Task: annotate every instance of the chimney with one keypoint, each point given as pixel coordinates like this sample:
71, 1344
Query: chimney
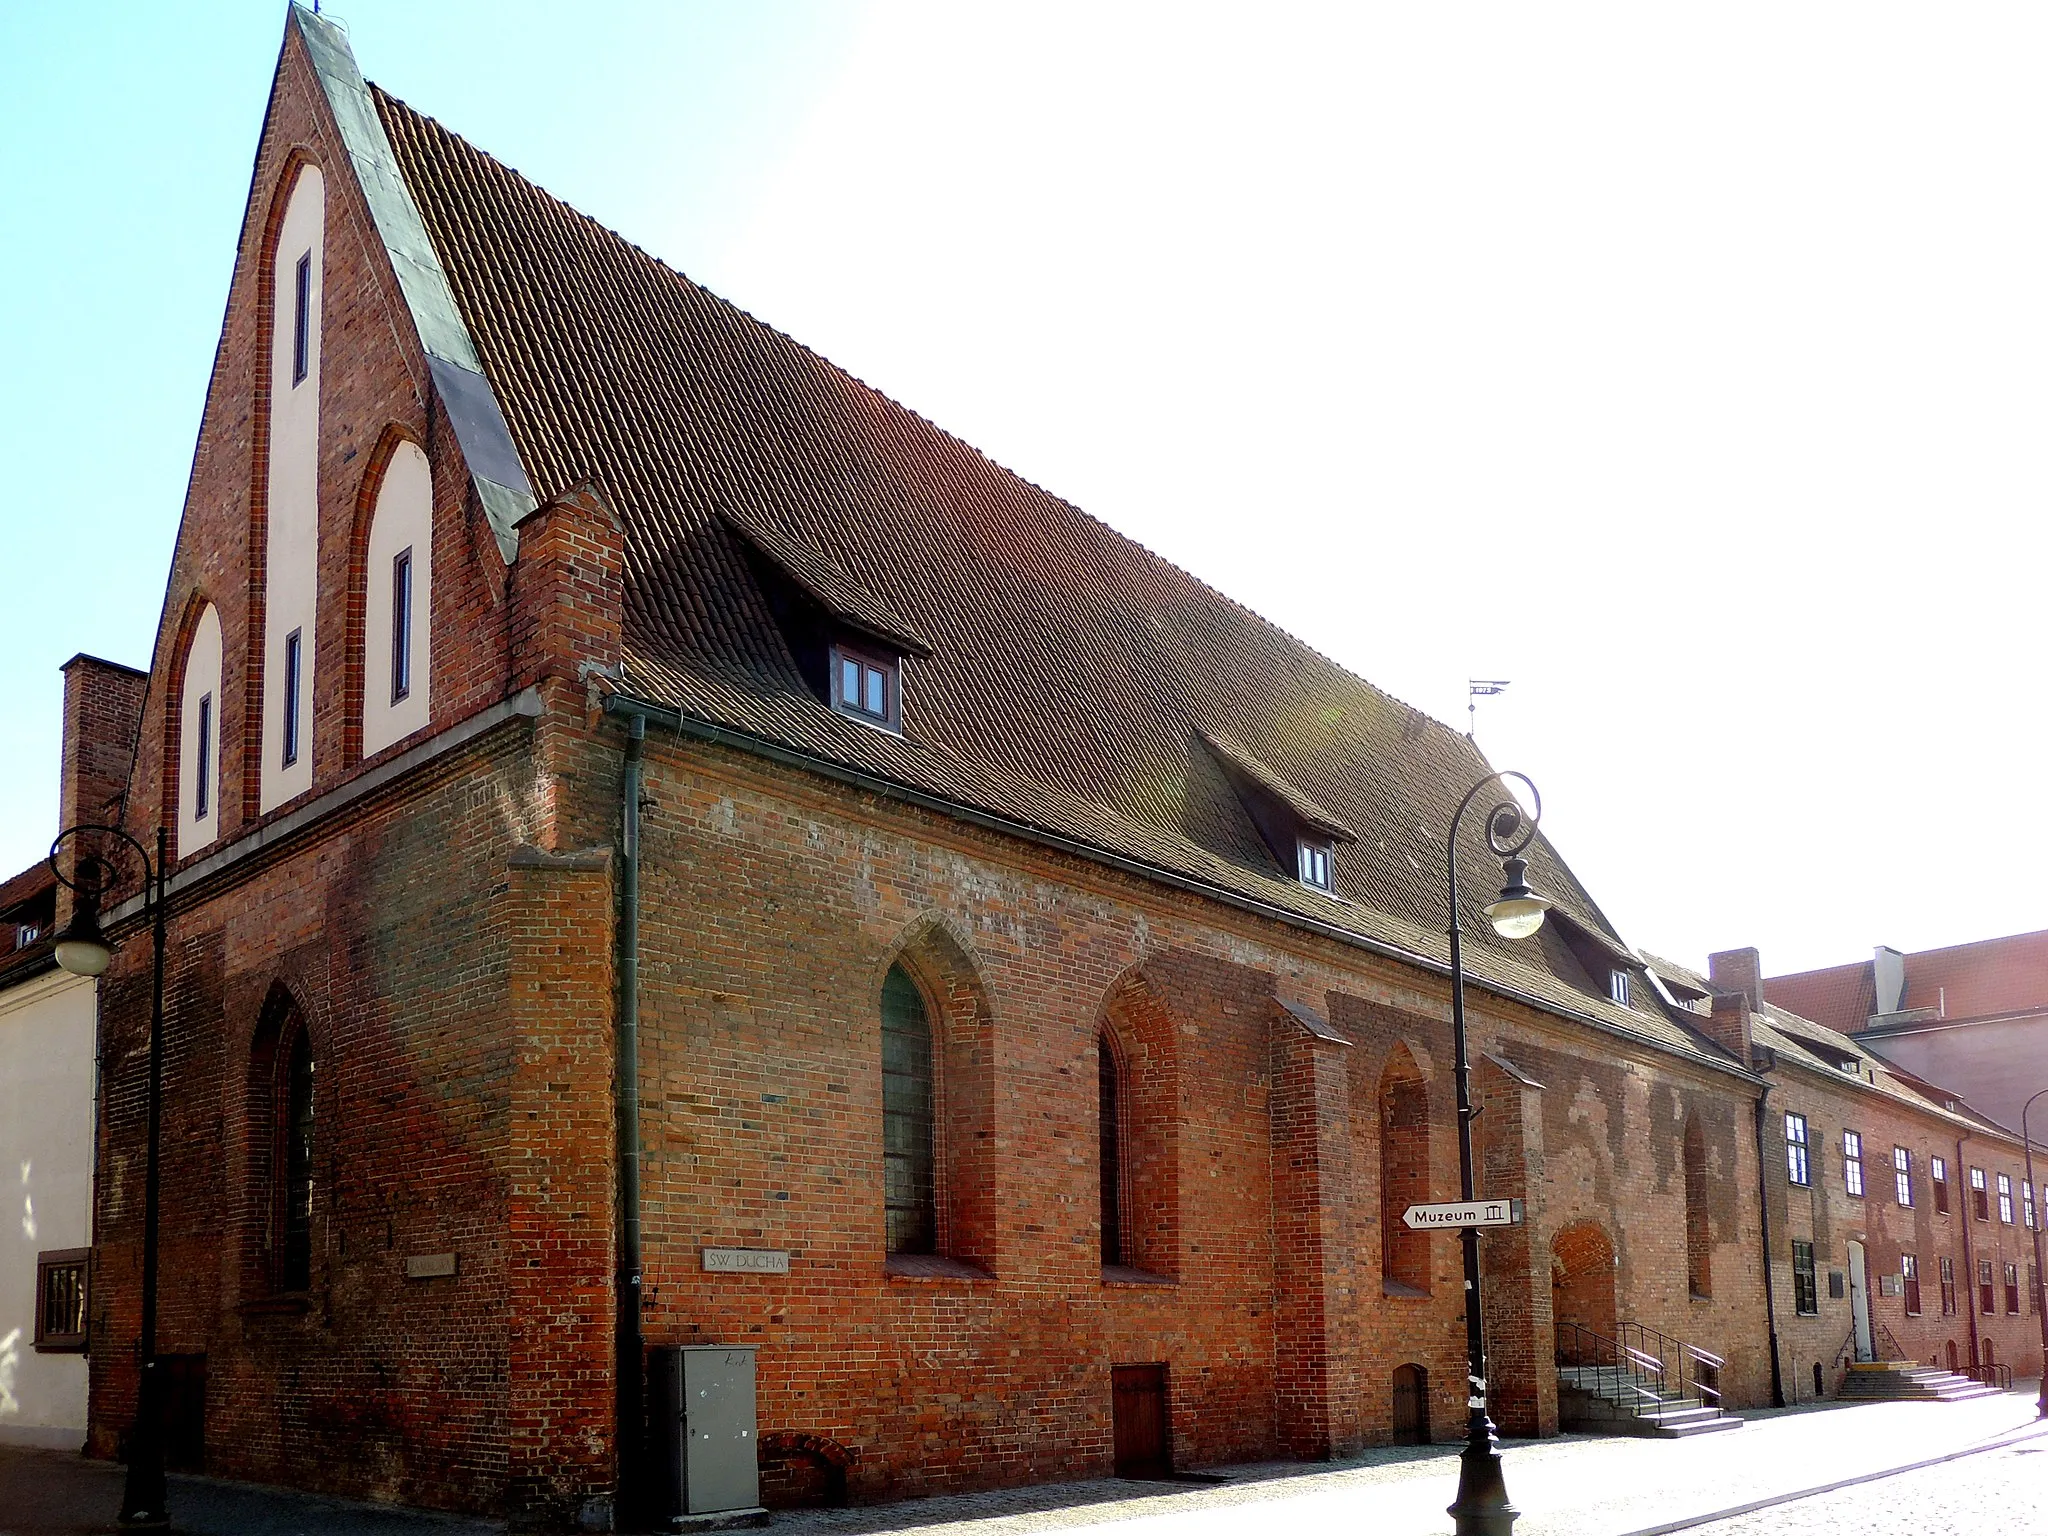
102, 715
1888, 971
102, 722
1736, 977
1739, 973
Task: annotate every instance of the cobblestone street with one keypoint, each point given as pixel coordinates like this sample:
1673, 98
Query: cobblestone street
1571, 1486
2003, 1490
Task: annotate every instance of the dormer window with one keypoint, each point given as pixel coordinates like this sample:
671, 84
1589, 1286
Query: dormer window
1617, 986
864, 685
1313, 861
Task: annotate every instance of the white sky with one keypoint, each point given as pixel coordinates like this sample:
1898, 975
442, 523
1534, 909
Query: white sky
1682, 365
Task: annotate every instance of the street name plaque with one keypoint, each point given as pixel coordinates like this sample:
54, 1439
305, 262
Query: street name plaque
747, 1261
1464, 1213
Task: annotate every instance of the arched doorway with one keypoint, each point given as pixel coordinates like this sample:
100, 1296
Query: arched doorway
1411, 1405
1582, 1278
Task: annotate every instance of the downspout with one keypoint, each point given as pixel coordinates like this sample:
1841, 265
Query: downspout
630, 1409
1968, 1214
1763, 1206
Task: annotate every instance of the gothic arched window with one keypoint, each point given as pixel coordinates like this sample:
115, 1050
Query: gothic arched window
909, 1177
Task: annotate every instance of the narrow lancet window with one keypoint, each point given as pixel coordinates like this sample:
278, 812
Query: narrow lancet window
401, 625
295, 1251
1112, 1163
302, 320
908, 1182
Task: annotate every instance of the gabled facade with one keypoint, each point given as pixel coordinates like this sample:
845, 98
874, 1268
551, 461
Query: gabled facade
672, 848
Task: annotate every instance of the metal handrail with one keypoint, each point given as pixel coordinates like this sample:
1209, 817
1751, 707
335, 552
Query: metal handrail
1995, 1375
1891, 1344
1643, 1373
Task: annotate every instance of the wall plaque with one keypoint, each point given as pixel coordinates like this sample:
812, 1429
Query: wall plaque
747, 1261
429, 1266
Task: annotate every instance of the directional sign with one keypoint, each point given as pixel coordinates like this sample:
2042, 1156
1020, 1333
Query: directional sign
1464, 1213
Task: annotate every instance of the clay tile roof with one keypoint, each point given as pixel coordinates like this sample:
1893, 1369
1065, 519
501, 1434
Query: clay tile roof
835, 591
1310, 814
1069, 669
1989, 976
1839, 996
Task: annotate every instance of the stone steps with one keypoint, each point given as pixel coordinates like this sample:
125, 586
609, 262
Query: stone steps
1604, 1398
1892, 1381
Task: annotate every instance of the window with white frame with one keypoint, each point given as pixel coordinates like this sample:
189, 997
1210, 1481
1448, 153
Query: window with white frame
1937, 1174
2005, 1198
867, 685
1314, 862
2027, 1204
1798, 1168
1617, 986
1852, 1163
1902, 1175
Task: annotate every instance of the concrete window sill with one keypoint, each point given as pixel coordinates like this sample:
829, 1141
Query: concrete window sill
931, 1267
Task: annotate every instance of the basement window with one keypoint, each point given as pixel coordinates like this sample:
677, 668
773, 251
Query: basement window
1314, 860
865, 685
60, 1300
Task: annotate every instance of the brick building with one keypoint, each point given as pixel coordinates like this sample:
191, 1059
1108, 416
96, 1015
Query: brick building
1971, 1017
632, 784
1901, 1221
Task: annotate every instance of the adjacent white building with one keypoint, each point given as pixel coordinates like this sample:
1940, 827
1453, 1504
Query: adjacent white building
47, 1095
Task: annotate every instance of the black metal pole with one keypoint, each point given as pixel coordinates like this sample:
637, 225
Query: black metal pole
143, 1493
2040, 1208
1482, 1507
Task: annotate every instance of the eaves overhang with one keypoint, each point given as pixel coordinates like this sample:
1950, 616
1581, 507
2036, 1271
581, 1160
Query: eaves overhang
673, 719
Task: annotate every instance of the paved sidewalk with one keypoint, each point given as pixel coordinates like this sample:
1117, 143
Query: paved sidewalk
1572, 1486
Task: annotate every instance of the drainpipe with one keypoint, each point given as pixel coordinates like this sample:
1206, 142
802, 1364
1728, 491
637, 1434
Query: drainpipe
1763, 1207
1968, 1213
630, 1407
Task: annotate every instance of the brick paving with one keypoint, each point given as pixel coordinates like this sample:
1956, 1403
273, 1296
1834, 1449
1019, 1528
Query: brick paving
1571, 1486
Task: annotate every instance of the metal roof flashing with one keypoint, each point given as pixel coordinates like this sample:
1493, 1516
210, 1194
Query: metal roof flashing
480, 429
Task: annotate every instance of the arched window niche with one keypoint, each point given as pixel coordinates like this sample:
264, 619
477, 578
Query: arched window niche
397, 602
199, 716
937, 1061
1699, 1241
909, 1153
1138, 1134
283, 1139
294, 280
1404, 1174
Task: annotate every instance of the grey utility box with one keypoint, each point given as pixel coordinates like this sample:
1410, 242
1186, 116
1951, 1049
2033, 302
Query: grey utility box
702, 1396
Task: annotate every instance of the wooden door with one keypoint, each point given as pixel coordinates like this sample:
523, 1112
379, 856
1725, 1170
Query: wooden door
1144, 1446
1411, 1405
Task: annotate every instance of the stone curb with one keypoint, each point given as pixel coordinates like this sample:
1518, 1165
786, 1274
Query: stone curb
1690, 1521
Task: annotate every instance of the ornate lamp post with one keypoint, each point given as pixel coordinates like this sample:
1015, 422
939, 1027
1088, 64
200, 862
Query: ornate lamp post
2040, 1215
83, 951
1482, 1507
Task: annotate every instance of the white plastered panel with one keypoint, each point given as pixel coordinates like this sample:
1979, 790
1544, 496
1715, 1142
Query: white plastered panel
199, 814
292, 556
402, 524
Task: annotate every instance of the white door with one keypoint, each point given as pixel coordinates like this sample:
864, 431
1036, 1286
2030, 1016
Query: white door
1859, 1302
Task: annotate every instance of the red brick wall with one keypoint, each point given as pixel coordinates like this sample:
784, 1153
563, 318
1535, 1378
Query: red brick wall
1826, 1215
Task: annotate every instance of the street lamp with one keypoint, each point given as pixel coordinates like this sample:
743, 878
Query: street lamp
83, 950
2040, 1209
1482, 1507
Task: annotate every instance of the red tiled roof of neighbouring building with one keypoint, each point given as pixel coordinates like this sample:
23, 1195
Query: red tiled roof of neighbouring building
1838, 996
1071, 671
1989, 976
